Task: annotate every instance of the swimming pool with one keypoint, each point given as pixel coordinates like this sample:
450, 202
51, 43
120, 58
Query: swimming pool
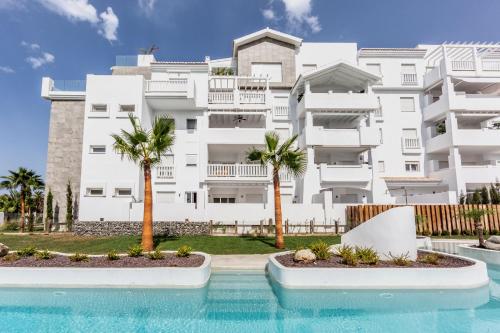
249, 302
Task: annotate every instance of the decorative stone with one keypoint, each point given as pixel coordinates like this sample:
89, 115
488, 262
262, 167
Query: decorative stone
492, 246
4, 250
304, 255
494, 239
134, 228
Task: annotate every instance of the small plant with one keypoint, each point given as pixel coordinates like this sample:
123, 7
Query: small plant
400, 260
135, 251
436, 233
455, 232
156, 255
321, 250
431, 258
494, 232
28, 251
44, 255
79, 257
445, 233
427, 233
10, 226
348, 255
184, 251
11, 257
113, 255
367, 255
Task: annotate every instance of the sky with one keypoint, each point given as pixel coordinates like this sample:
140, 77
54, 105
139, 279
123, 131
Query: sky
67, 39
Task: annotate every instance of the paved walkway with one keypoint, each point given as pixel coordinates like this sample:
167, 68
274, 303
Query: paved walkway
239, 262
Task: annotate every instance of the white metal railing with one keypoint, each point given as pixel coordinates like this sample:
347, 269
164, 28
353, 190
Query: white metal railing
285, 176
236, 170
220, 97
165, 172
378, 112
411, 143
409, 79
280, 110
172, 84
491, 65
252, 97
462, 65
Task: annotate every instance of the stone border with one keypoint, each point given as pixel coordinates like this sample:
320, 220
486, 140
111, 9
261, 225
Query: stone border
490, 257
107, 277
469, 277
134, 228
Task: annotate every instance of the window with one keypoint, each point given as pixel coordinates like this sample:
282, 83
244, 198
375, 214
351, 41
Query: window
269, 70
191, 197
123, 192
309, 67
412, 166
98, 149
409, 133
374, 68
224, 200
408, 69
165, 197
407, 104
191, 159
380, 135
381, 166
99, 108
191, 124
95, 191
127, 108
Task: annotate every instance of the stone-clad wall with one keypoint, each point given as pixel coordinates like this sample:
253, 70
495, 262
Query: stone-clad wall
268, 50
115, 228
64, 153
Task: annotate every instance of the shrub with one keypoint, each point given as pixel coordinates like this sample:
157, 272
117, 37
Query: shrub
78, 257
11, 257
436, 233
113, 255
367, 255
401, 260
494, 232
28, 251
184, 251
321, 250
445, 233
431, 258
10, 226
156, 255
427, 233
44, 255
348, 255
135, 251
455, 232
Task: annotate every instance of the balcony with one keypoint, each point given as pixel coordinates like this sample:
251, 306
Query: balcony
440, 143
411, 145
339, 101
359, 173
481, 174
165, 172
480, 138
474, 102
462, 65
280, 112
235, 135
237, 172
237, 92
409, 79
63, 89
237, 98
170, 93
319, 136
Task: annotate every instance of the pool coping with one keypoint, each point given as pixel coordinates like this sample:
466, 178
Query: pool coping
491, 257
107, 277
469, 277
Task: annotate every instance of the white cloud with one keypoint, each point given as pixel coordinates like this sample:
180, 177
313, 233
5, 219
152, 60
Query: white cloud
6, 69
268, 14
31, 46
12, 4
43, 59
298, 14
83, 11
147, 6
109, 24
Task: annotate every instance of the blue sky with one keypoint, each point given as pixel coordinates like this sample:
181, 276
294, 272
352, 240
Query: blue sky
65, 39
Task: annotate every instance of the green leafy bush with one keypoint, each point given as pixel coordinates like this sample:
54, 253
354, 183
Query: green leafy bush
321, 250
184, 251
494, 232
28, 251
44, 255
10, 226
156, 255
445, 233
400, 260
427, 233
135, 251
367, 255
113, 255
431, 258
348, 255
78, 257
455, 232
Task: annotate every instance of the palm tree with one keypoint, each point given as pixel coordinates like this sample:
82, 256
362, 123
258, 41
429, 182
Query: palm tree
24, 179
146, 148
280, 157
476, 214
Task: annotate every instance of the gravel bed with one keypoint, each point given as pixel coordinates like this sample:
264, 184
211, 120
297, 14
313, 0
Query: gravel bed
336, 262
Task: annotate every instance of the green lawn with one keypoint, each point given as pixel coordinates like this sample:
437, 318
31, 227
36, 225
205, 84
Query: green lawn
210, 244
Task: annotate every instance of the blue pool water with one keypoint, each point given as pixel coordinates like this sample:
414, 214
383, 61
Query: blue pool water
250, 303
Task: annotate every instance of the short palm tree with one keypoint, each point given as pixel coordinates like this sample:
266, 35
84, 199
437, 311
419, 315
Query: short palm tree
146, 148
25, 180
475, 214
280, 157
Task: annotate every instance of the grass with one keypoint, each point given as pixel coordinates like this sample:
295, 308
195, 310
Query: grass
210, 244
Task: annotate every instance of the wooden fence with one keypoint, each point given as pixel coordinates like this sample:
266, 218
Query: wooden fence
432, 219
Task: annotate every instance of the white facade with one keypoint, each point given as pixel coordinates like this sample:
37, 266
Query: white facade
367, 119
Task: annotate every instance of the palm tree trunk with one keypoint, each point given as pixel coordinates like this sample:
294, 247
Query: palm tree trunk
479, 230
280, 241
147, 226
21, 229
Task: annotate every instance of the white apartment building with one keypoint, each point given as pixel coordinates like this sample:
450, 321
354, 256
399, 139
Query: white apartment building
416, 125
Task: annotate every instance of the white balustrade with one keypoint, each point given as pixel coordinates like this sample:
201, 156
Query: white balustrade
236, 170
252, 97
491, 64
165, 172
172, 84
409, 79
220, 97
280, 110
411, 143
462, 65
285, 176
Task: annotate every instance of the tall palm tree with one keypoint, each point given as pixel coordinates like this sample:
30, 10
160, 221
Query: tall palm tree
146, 148
476, 214
24, 179
280, 157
